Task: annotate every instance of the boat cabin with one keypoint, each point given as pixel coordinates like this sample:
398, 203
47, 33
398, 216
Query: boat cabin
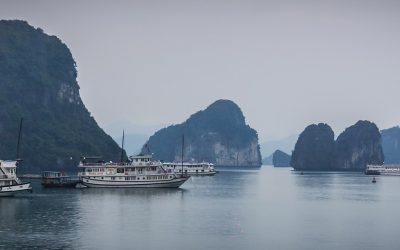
8, 172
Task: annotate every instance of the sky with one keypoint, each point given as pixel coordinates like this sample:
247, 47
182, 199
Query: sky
287, 64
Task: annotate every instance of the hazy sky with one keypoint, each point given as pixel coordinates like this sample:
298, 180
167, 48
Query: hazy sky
287, 64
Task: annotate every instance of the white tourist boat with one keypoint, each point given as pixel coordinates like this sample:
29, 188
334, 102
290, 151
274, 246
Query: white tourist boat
191, 168
140, 171
10, 184
385, 169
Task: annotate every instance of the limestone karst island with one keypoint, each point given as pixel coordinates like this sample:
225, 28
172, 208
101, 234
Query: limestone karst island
200, 125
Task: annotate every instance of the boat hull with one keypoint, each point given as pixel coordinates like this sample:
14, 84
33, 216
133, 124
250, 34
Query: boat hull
92, 183
372, 172
199, 173
71, 184
11, 190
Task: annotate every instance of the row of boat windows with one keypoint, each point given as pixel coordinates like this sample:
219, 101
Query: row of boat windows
133, 178
185, 166
4, 183
180, 170
141, 160
121, 170
11, 170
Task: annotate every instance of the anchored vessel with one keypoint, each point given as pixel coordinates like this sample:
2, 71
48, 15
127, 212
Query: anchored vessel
203, 168
386, 169
139, 171
57, 179
9, 182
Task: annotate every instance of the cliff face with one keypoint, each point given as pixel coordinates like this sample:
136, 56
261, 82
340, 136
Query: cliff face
280, 159
217, 134
358, 146
313, 149
38, 83
391, 145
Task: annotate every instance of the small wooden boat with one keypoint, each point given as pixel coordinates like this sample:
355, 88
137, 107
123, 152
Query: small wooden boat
373, 180
52, 179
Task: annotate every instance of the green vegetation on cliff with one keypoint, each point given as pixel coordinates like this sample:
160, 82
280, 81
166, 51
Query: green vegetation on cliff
357, 146
38, 83
217, 134
314, 148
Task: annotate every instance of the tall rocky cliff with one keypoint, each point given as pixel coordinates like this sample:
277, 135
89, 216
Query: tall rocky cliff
217, 134
313, 149
391, 145
38, 83
356, 147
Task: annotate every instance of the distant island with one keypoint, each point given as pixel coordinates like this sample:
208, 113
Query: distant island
357, 146
38, 82
268, 160
280, 159
218, 134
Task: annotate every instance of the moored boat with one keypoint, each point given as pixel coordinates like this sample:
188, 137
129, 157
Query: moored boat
385, 169
57, 179
191, 168
139, 172
10, 184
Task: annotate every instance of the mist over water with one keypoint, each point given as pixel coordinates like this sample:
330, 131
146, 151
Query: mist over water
265, 208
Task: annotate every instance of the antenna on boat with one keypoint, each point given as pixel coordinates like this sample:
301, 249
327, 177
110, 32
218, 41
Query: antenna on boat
122, 148
183, 145
19, 137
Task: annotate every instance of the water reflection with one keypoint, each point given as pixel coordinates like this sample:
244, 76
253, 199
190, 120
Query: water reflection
266, 208
336, 185
42, 220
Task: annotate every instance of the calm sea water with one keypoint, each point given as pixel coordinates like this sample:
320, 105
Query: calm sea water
268, 208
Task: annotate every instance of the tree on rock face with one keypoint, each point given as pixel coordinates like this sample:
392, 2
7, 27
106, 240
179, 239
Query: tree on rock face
358, 146
313, 150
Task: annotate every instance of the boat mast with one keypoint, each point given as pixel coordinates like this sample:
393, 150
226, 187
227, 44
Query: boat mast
19, 137
183, 145
122, 148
